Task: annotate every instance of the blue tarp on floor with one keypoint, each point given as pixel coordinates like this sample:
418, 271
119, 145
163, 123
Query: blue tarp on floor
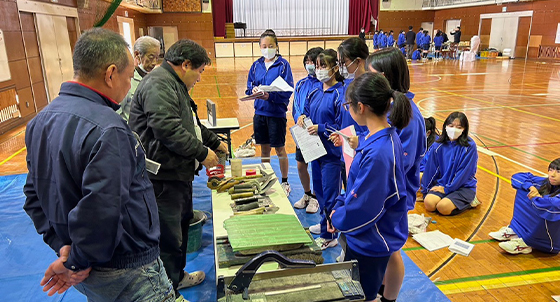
25, 257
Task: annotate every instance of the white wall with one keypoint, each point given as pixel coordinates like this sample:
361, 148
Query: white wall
400, 5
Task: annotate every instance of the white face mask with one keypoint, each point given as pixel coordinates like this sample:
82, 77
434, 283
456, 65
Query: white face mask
141, 66
310, 68
268, 53
323, 75
346, 74
453, 132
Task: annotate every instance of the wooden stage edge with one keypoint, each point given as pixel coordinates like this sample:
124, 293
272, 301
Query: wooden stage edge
287, 39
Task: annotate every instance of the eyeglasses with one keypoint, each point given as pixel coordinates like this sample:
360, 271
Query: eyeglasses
346, 105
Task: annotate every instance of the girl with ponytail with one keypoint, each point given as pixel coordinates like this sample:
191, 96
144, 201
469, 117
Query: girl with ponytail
373, 212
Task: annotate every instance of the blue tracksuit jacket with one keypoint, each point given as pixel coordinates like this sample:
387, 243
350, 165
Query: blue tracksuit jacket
416, 55
324, 109
413, 140
438, 41
452, 166
536, 220
277, 103
390, 41
375, 40
302, 90
426, 40
383, 41
401, 40
373, 212
419, 36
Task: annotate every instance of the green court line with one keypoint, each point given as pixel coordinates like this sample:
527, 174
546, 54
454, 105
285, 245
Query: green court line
217, 86
501, 275
422, 248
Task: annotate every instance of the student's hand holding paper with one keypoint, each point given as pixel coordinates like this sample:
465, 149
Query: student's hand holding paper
301, 121
313, 129
264, 97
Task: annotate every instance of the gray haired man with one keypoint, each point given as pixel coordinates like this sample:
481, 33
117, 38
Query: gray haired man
146, 54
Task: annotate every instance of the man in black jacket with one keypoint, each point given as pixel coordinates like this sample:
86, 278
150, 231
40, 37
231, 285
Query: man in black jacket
410, 37
87, 190
456, 35
165, 117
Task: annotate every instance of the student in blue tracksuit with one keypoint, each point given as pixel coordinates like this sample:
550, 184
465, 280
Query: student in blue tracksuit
373, 212
403, 50
438, 42
392, 64
390, 39
417, 55
449, 181
382, 40
376, 40
269, 122
323, 107
419, 38
401, 40
301, 91
426, 41
432, 134
536, 214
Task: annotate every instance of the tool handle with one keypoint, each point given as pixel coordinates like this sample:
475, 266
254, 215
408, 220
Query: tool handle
247, 200
247, 207
242, 195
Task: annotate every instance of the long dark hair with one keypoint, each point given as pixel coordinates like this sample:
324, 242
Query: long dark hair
272, 34
312, 54
353, 48
392, 63
547, 188
431, 126
463, 139
373, 90
328, 59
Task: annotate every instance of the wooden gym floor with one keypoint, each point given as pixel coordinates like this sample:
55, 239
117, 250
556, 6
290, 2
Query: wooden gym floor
513, 108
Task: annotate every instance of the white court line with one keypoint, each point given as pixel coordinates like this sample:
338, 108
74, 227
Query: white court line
500, 107
233, 131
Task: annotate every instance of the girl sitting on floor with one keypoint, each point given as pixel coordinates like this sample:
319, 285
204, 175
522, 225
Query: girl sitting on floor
536, 214
449, 182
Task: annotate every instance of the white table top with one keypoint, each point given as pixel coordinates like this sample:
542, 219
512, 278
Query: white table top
222, 123
221, 210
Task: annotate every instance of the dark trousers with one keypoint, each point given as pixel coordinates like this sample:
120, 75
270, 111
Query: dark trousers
175, 208
409, 50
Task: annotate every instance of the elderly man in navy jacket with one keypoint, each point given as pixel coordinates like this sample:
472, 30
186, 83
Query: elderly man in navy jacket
88, 191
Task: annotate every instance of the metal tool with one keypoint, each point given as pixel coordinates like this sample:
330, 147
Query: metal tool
258, 189
332, 130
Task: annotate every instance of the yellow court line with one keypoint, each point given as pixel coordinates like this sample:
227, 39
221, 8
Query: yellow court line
494, 174
13, 155
508, 107
503, 282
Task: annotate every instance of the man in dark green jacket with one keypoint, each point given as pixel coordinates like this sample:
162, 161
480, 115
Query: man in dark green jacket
165, 117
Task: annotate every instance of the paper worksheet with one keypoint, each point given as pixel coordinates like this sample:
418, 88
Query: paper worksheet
434, 240
311, 146
348, 152
277, 85
556, 298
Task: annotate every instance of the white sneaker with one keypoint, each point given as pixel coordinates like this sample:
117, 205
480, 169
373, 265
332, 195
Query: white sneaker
516, 246
326, 243
504, 234
302, 203
475, 203
340, 257
191, 279
313, 206
315, 229
287, 189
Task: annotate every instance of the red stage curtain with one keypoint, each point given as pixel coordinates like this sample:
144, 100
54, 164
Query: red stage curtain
229, 11
219, 17
374, 13
360, 16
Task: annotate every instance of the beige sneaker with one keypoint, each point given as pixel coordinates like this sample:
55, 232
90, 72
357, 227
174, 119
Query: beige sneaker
315, 229
516, 246
191, 279
313, 206
326, 243
475, 203
302, 203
